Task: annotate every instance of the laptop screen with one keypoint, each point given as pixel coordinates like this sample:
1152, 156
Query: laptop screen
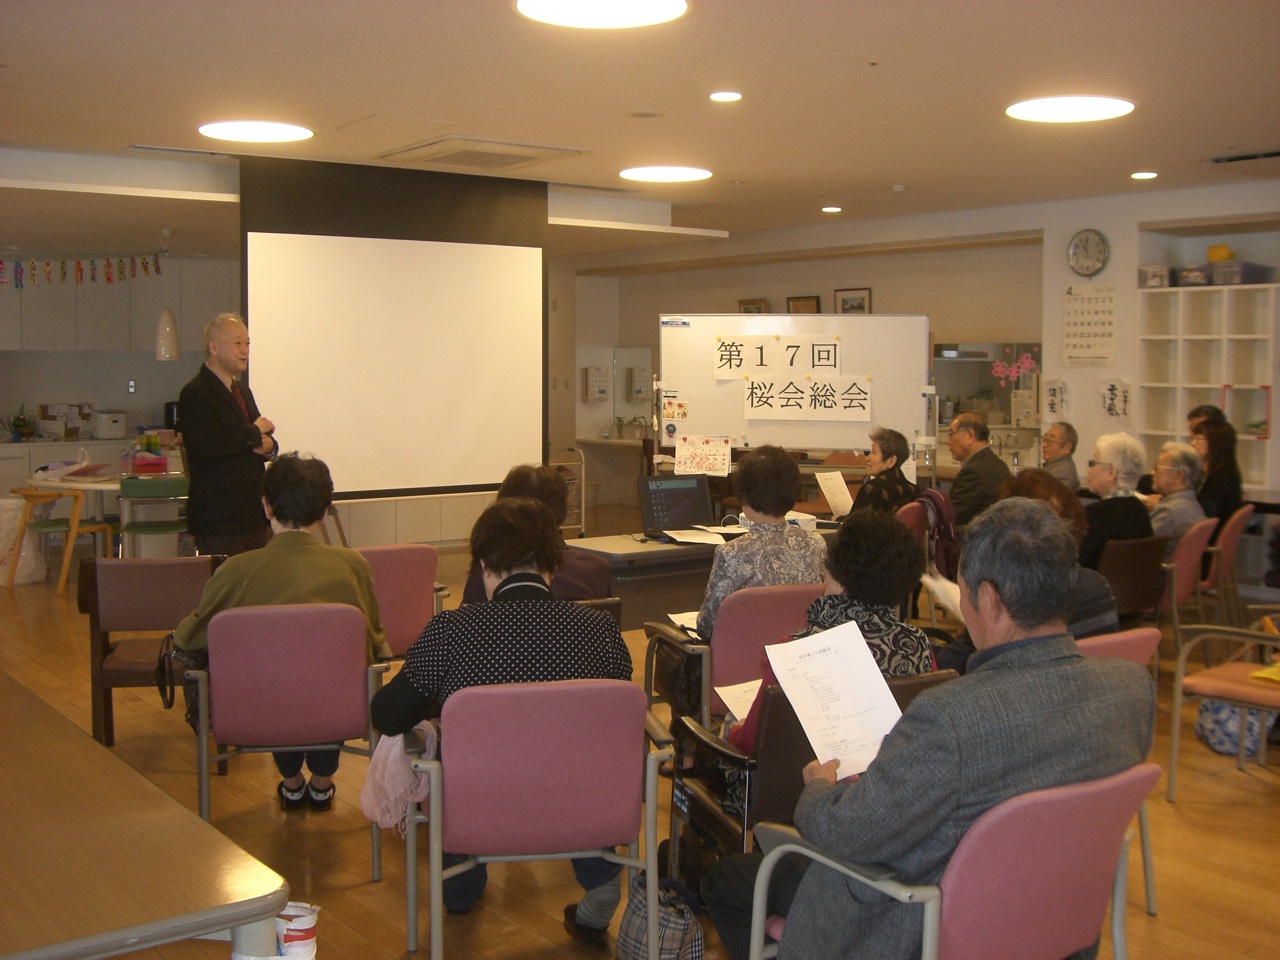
674, 503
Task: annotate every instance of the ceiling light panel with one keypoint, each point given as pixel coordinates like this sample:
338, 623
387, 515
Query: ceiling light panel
595, 15
1069, 109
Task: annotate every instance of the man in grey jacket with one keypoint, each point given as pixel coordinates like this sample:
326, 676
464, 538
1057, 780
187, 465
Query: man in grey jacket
1029, 714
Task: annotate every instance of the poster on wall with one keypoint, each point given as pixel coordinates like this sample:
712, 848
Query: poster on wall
1055, 400
1116, 401
1089, 324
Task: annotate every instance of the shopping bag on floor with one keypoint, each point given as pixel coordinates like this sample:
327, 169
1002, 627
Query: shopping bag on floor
295, 932
679, 933
31, 566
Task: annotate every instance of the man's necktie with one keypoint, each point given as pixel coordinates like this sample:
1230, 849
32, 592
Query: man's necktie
235, 392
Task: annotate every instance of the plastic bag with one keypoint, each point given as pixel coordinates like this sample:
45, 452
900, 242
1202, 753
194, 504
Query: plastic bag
295, 932
31, 565
1218, 727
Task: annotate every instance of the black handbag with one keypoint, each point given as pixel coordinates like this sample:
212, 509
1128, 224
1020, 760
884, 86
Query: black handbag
175, 662
677, 678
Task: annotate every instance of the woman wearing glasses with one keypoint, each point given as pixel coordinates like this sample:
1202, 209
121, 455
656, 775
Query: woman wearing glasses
1117, 463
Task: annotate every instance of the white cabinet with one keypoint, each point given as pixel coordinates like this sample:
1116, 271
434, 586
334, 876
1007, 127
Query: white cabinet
49, 313
102, 311
1211, 345
148, 295
15, 466
207, 290
10, 316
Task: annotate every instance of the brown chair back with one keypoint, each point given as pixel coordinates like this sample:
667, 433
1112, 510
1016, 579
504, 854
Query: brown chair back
1132, 567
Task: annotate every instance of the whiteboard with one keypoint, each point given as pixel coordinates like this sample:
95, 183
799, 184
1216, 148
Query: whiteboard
797, 380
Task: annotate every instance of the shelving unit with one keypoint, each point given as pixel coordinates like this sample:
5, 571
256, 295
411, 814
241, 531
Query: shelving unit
1210, 345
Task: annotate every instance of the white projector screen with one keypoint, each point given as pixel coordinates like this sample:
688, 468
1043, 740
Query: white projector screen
406, 365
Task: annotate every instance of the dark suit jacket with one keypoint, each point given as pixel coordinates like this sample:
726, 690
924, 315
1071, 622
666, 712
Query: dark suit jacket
977, 484
226, 475
1027, 716
1115, 518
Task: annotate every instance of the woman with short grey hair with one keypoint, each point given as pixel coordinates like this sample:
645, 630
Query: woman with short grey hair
1119, 459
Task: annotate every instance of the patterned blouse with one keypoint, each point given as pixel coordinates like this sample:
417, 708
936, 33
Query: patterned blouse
767, 555
886, 491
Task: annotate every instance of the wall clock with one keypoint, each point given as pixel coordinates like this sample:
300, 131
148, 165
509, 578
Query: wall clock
1087, 252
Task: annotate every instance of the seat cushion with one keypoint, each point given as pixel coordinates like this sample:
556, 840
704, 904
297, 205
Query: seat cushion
1231, 681
132, 663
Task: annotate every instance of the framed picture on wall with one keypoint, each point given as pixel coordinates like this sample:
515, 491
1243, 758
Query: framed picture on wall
804, 305
758, 305
853, 300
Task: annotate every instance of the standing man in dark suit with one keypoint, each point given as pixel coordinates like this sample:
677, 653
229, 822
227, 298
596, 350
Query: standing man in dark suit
228, 443
977, 485
1030, 713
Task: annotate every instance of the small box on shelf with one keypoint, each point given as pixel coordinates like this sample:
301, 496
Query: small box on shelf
1156, 275
1196, 276
1241, 271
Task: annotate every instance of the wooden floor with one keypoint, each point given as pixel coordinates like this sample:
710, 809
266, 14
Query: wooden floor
1217, 850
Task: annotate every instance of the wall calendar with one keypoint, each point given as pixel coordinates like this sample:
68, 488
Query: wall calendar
1089, 324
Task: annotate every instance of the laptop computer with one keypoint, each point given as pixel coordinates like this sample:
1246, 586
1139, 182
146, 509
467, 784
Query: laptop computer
673, 503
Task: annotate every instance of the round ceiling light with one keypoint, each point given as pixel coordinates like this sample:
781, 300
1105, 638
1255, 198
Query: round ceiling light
256, 131
1069, 109
726, 96
832, 209
594, 15
1143, 175
665, 174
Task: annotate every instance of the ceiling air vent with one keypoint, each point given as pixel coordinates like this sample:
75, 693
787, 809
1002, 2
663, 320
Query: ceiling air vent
473, 153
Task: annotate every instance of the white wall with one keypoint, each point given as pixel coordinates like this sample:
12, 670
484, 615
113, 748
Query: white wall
984, 294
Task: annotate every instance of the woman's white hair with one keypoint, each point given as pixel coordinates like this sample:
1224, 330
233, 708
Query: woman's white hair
1127, 455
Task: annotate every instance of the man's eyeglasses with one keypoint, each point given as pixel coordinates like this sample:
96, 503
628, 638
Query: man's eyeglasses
1099, 463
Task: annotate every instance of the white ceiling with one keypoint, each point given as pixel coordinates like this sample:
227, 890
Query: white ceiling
842, 100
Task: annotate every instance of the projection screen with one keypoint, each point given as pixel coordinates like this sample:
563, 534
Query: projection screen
408, 366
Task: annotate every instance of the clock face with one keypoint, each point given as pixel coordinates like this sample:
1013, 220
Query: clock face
1087, 253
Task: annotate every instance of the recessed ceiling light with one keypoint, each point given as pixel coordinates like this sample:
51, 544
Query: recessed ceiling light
256, 131
1144, 175
665, 174
594, 15
1069, 109
726, 96
831, 209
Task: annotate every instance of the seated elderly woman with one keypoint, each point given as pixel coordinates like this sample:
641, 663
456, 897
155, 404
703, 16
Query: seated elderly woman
872, 564
1175, 509
772, 552
582, 575
525, 635
294, 567
1113, 474
886, 487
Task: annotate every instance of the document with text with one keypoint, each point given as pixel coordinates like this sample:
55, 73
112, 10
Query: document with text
838, 694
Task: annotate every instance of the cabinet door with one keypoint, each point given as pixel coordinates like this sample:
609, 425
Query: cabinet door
10, 316
49, 312
15, 466
148, 295
206, 292
102, 312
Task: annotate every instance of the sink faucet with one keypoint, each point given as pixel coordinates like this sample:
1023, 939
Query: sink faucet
998, 442
1012, 440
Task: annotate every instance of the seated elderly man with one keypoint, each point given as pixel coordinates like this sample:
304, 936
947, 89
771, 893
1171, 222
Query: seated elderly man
1176, 509
1058, 448
1031, 713
294, 567
1118, 515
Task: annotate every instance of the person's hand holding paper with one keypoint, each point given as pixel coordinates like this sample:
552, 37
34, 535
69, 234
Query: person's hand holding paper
838, 694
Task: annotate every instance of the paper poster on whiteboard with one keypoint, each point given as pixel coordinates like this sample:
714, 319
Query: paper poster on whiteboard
709, 455
793, 356
808, 398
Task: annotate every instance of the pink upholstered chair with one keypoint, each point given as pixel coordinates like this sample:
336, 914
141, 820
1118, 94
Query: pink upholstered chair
1137, 646
1030, 880
1182, 574
133, 596
747, 620
286, 676
1218, 587
404, 577
537, 771
1230, 682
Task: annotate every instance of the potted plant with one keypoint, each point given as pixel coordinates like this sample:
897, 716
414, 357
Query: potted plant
24, 428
